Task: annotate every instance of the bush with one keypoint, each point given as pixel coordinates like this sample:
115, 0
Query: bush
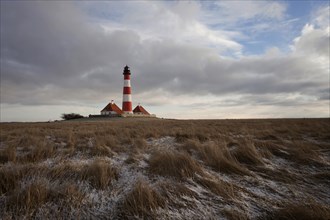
71, 116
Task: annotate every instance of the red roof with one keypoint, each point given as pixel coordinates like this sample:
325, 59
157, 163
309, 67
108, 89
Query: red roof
140, 109
112, 107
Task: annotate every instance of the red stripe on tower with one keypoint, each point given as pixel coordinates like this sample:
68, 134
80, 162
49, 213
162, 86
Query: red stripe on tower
127, 95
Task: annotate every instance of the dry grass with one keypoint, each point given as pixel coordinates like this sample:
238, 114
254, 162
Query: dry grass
217, 156
235, 215
304, 153
247, 153
172, 164
321, 177
71, 193
220, 159
9, 179
169, 189
241, 164
26, 201
64, 172
40, 152
30, 197
99, 174
140, 144
141, 202
217, 187
8, 155
301, 211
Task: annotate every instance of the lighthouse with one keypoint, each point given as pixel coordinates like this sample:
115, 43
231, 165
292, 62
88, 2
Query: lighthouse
127, 92
112, 110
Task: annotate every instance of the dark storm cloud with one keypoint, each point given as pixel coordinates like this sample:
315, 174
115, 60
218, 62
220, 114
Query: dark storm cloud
52, 43
51, 53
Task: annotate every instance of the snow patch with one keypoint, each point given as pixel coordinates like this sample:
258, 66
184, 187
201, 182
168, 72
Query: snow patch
166, 142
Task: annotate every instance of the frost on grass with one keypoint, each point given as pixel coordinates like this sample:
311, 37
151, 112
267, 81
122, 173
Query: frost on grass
166, 142
60, 182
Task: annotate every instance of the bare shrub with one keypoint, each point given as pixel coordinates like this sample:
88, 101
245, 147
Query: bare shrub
100, 174
142, 202
71, 116
173, 164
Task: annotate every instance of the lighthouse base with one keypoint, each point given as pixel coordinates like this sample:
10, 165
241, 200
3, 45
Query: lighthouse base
127, 112
130, 115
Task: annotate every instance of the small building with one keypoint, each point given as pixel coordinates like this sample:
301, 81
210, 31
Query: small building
112, 110
139, 110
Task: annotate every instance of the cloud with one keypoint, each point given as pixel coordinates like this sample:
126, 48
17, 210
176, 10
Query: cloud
250, 16
315, 36
177, 21
65, 54
236, 11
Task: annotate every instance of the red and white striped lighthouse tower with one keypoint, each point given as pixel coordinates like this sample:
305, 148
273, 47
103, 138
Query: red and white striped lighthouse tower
127, 97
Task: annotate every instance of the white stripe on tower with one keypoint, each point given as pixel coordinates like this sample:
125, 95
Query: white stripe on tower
127, 97
127, 83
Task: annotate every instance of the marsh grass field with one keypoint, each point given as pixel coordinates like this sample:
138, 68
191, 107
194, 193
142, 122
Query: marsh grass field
166, 169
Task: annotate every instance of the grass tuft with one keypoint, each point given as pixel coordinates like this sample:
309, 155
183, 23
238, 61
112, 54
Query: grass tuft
301, 211
219, 158
217, 187
173, 164
99, 174
8, 155
30, 197
247, 153
9, 179
142, 202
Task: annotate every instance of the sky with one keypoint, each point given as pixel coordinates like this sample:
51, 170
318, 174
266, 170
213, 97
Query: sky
188, 59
